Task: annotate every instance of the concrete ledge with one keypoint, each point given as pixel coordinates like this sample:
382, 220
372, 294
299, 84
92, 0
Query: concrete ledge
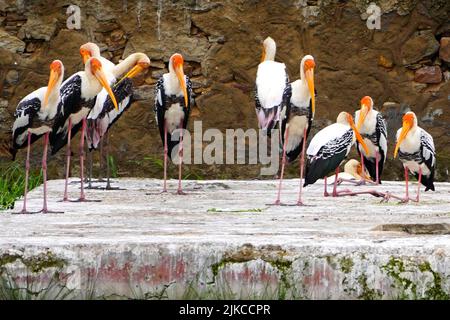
222, 240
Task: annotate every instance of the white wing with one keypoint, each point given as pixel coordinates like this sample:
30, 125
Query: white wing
270, 83
327, 134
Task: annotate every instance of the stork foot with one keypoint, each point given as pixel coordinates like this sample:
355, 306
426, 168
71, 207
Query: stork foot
85, 200
25, 212
181, 192
50, 211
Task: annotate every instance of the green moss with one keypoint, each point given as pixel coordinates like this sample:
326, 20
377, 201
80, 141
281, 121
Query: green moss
367, 293
36, 263
435, 292
394, 268
346, 264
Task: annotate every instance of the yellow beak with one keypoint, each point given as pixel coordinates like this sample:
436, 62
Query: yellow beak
85, 57
405, 129
181, 78
358, 137
54, 76
309, 74
132, 73
362, 115
263, 57
100, 75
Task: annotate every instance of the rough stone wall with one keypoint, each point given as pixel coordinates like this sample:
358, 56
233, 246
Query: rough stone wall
403, 65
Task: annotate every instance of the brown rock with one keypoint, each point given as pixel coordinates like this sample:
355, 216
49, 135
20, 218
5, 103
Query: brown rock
117, 35
419, 46
385, 62
444, 51
37, 28
10, 42
432, 74
12, 77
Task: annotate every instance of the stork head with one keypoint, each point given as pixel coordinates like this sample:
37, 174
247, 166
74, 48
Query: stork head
94, 66
142, 63
354, 168
366, 106
409, 122
176, 64
307, 66
347, 119
56, 77
89, 50
269, 49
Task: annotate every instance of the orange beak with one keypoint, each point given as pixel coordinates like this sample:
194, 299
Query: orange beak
405, 129
54, 76
357, 134
100, 75
181, 78
263, 57
309, 75
362, 115
85, 55
137, 69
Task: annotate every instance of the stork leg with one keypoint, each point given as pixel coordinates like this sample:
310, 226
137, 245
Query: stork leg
302, 165
44, 174
90, 170
406, 183
376, 168
336, 176
283, 163
180, 153
82, 197
100, 176
68, 154
165, 157
325, 192
27, 170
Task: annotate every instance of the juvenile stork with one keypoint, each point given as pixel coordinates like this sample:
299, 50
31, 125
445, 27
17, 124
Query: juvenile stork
298, 120
77, 96
372, 127
415, 148
173, 101
34, 116
272, 90
103, 115
329, 147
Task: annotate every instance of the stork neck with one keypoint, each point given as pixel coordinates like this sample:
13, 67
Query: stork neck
126, 64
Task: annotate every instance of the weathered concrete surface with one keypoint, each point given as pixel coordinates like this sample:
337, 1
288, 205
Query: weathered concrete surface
222, 240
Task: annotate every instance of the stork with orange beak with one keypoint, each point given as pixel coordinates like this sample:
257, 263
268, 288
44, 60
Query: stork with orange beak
296, 123
372, 126
415, 149
174, 100
77, 98
34, 116
103, 115
329, 147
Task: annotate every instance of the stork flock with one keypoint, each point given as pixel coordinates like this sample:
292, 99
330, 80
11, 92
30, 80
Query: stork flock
290, 107
92, 100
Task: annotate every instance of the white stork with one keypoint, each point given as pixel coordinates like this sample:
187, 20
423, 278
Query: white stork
103, 115
272, 90
34, 115
296, 124
77, 94
329, 147
174, 100
372, 127
415, 148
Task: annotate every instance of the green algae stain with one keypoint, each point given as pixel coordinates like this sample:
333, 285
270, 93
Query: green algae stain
346, 264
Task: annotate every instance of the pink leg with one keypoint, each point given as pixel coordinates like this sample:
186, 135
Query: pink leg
283, 162
180, 152
419, 182
406, 182
27, 169
44, 172
335, 182
68, 154
165, 157
302, 165
376, 168
83, 130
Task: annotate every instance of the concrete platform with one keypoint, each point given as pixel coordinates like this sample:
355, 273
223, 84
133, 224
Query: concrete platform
223, 240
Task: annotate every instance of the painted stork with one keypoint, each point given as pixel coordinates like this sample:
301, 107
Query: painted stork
296, 124
173, 101
352, 171
77, 96
272, 90
34, 116
103, 115
372, 127
329, 147
415, 148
